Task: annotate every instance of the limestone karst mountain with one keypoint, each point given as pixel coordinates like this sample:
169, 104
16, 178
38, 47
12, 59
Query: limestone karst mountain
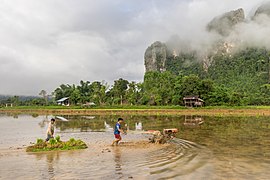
224, 24
158, 56
263, 9
155, 57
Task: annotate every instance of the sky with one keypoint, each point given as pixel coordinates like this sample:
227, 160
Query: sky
44, 44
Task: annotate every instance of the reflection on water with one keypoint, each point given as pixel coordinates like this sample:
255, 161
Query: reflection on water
214, 147
51, 159
193, 121
138, 126
107, 127
118, 162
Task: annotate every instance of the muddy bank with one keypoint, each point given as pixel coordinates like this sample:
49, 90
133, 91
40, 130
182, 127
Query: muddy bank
220, 148
99, 161
204, 112
132, 159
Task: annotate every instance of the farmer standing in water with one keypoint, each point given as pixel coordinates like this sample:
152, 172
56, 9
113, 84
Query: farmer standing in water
117, 131
50, 130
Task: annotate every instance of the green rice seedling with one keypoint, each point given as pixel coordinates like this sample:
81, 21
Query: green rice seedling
56, 145
72, 140
39, 141
52, 141
57, 138
81, 144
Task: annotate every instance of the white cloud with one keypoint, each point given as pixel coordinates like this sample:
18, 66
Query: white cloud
47, 43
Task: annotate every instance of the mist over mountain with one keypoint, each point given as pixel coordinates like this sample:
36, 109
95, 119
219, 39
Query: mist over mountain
225, 23
264, 9
226, 34
234, 54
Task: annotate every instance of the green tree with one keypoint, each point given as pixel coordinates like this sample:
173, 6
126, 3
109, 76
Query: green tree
151, 85
158, 88
15, 100
190, 85
206, 87
219, 96
75, 96
119, 89
44, 95
99, 92
85, 91
63, 91
132, 93
264, 96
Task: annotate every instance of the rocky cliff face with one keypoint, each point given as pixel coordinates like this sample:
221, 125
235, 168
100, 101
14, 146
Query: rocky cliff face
155, 57
224, 24
263, 9
158, 54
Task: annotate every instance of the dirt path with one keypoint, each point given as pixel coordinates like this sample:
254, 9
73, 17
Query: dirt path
206, 112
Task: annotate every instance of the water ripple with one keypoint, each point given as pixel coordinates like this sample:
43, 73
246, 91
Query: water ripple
179, 159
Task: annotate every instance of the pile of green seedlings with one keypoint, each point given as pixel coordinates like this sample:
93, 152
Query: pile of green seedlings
56, 144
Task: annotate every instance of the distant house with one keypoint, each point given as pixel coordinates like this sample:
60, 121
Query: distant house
89, 104
193, 101
9, 105
63, 101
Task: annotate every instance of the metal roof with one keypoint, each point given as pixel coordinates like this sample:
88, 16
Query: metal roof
193, 97
63, 99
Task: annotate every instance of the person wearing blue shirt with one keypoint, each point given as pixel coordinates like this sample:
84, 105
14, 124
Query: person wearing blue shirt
117, 131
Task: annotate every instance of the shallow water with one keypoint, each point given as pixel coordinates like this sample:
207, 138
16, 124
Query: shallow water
205, 148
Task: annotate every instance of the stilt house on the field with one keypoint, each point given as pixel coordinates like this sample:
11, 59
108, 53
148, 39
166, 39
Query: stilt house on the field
193, 101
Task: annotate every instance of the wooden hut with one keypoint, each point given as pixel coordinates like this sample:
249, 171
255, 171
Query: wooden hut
193, 121
9, 104
193, 101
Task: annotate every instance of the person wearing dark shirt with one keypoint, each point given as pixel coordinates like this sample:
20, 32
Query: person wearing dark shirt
117, 131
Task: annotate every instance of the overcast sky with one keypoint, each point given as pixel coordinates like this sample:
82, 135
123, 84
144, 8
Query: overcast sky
46, 43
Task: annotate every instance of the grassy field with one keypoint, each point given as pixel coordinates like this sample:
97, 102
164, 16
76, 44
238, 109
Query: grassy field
143, 110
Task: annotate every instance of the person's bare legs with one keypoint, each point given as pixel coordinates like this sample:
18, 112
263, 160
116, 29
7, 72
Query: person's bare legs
116, 141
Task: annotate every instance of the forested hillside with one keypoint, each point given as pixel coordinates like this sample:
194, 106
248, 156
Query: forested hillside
241, 78
233, 69
238, 79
